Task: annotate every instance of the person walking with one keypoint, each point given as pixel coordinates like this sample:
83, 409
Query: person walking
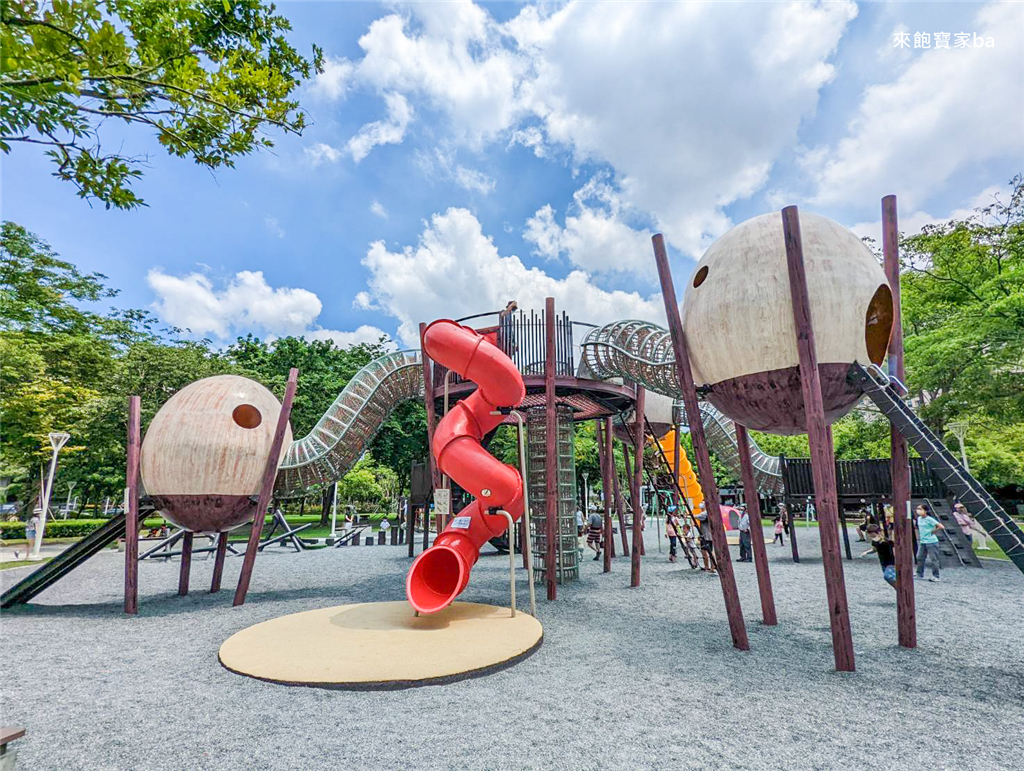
928, 541
672, 531
595, 530
778, 532
784, 516
746, 555
883, 547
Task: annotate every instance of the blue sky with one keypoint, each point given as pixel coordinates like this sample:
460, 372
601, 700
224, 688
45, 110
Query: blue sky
461, 156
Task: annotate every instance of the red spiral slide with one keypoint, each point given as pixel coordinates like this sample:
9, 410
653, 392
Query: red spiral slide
440, 573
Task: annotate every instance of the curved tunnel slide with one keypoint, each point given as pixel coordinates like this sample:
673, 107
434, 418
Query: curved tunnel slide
642, 352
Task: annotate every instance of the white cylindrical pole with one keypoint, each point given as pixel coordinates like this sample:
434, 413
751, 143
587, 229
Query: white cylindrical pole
334, 511
57, 441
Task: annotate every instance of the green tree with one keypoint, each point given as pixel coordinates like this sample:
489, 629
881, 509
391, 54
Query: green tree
206, 76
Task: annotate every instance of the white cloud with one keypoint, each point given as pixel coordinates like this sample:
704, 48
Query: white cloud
949, 110
531, 137
335, 80
378, 209
456, 270
603, 81
474, 181
382, 132
362, 334
915, 221
452, 55
273, 227
245, 303
320, 153
595, 236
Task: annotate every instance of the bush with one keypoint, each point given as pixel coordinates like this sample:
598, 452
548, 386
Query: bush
62, 528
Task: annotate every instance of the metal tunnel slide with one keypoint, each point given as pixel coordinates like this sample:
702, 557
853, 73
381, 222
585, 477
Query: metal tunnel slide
642, 352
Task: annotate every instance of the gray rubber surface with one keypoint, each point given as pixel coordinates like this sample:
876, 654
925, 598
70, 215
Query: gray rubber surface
626, 678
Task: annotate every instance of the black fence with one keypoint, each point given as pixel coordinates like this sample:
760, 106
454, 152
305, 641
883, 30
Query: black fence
861, 478
522, 336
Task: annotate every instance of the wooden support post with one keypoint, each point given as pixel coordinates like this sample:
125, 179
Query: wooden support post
550, 452
819, 436
899, 465
218, 563
131, 514
266, 488
764, 580
676, 485
684, 374
607, 469
410, 526
186, 563
428, 401
524, 535
844, 531
619, 507
638, 480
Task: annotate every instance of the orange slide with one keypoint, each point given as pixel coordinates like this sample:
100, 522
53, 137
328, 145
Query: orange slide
441, 572
687, 476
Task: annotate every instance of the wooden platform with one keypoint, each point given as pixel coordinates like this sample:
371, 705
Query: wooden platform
382, 646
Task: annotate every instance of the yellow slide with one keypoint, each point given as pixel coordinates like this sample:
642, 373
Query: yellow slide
687, 476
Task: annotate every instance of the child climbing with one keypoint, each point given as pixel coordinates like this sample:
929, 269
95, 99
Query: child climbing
883, 547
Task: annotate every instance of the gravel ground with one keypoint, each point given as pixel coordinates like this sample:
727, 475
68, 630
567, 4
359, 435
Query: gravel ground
626, 678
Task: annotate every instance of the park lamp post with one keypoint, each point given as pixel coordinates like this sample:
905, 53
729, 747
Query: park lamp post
57, 440
586, 493
959, 430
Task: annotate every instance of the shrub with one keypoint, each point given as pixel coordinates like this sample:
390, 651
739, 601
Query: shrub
62, 528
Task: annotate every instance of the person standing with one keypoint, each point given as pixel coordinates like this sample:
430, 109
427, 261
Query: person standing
688, 537
672, 531
707, 546
928, 541
778, 532
784, 516
968, 524
595, 530
31, 528
744, 527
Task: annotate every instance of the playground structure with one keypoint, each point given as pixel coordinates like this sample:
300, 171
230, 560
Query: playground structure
771, 370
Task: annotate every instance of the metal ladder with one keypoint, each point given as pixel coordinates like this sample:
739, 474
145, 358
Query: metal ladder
888, 394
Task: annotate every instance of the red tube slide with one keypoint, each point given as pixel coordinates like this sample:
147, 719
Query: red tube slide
440, 573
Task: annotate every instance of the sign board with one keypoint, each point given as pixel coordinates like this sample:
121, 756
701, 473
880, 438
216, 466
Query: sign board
461, 523
442, 504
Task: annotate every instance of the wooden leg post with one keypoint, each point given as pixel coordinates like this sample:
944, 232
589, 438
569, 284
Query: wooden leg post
899, 466
620, 508
266, 489
551, 525
131, 514
819, 436
607, 469
684, 373
186, 563
638, 480
764, 579
218, 563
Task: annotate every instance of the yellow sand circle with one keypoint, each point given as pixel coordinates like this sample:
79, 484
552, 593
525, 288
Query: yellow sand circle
381, 644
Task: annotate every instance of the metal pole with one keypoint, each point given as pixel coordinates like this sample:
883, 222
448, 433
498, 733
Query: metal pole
511, 559
334, 512
528, 544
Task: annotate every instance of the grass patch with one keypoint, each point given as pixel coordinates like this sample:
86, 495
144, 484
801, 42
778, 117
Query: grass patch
23, 563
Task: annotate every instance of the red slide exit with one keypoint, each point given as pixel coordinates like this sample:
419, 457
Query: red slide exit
440, 573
